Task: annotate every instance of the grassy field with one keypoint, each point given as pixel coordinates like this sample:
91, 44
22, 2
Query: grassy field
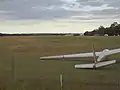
33, 74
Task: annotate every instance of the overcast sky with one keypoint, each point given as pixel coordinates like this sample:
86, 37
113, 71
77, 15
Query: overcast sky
17, 16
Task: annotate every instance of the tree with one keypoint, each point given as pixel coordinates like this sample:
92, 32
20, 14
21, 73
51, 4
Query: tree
114, 29
101, 31
114, 24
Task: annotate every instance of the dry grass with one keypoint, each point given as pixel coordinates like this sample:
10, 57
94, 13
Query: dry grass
31, 74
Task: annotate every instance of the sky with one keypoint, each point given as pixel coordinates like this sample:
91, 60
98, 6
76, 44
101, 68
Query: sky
57, 16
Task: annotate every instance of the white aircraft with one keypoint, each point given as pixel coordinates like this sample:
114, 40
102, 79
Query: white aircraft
98, 58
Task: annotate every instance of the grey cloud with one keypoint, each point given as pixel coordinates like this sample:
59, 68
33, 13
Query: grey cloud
52, 9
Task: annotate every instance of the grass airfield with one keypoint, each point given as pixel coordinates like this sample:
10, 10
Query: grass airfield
33, 74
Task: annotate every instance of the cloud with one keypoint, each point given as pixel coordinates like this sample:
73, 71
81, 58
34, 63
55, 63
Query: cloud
1, 12
92, 17
87, 8
74, 5
52, 9
97, 8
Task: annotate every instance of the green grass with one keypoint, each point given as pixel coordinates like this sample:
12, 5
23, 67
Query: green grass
33, 74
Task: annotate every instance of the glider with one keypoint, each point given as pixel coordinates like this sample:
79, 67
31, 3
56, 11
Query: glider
98, 58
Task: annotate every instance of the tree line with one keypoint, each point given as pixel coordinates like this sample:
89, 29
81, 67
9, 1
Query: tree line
34, 34
112, 30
